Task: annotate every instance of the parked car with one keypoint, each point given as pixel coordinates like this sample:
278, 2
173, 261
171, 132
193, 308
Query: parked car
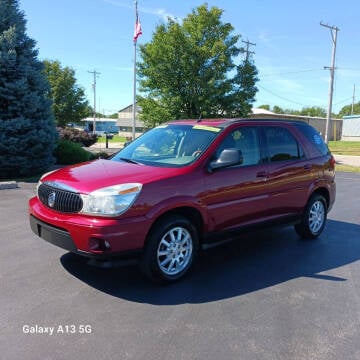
186, 185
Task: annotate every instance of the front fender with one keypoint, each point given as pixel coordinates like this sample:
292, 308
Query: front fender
177, 202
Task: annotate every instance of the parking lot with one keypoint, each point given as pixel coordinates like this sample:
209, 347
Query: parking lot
268, 295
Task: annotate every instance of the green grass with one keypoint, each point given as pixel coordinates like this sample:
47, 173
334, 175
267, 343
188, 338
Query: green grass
347, 168
345, 147
115, 139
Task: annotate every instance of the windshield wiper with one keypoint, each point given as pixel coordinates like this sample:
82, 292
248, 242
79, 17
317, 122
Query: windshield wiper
131, 161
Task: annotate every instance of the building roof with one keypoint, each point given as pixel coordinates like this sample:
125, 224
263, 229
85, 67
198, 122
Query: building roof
99, 119
257, 111
129, 108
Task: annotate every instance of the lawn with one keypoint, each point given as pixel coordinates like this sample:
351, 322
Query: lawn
347, 168
345, 147
115, 139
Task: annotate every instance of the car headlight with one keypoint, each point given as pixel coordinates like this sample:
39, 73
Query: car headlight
112, 200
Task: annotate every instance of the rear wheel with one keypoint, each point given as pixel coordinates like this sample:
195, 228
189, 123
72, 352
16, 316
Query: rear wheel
170, 250
313, 219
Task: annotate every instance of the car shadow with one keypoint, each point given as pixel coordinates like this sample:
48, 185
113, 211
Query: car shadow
252, 262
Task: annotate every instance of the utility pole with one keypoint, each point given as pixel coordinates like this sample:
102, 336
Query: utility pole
333, 31
137, 33
353, 102
95, 73
247, 51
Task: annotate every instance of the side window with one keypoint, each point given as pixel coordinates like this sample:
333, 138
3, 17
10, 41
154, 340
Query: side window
245, 139
282, 145
314, 137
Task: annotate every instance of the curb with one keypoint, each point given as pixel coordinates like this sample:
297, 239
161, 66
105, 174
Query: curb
8, 185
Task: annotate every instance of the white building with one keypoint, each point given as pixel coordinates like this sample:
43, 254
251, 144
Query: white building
102, 125
351, 128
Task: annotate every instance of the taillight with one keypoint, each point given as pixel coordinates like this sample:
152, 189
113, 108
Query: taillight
332, 163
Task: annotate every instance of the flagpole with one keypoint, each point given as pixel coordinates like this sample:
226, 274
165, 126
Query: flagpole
134, 79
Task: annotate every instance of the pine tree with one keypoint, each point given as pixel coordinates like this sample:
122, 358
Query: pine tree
27, 128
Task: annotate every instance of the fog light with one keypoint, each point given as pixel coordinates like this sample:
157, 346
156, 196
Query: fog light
96, 244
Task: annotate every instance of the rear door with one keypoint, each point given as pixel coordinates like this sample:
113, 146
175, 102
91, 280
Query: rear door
289, 173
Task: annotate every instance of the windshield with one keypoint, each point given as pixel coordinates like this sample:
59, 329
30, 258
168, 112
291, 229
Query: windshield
169, 145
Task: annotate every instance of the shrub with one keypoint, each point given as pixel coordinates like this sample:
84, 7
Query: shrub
99, 155
68, 153
77, 136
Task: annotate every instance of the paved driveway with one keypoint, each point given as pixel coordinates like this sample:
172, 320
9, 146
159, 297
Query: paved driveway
268, 296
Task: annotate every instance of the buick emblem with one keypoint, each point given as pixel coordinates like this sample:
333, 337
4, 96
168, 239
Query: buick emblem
51, 199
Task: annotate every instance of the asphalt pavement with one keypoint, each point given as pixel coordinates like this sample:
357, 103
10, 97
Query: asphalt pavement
267, 295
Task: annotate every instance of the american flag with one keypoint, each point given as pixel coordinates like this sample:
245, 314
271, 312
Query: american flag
137, 30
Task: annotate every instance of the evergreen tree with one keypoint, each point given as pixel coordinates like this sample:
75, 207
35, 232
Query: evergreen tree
27, 128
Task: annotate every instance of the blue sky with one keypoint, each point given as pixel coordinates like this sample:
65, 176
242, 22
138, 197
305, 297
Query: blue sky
290, 53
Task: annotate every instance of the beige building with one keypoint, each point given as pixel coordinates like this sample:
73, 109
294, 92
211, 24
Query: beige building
125, 122
318, 123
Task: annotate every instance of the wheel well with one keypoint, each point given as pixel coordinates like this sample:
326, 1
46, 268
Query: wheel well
325, 193
189, 213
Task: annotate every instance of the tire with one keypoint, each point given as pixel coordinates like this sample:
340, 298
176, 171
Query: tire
171, 249
313, 219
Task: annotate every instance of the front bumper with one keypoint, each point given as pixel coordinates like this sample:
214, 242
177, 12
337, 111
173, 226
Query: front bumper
76, 232
61, 238
52, 234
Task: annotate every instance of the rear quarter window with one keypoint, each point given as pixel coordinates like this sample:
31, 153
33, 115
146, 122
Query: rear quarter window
314, 137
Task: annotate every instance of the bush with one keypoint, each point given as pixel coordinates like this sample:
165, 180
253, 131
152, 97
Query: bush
99, 155
68, 153
77, 136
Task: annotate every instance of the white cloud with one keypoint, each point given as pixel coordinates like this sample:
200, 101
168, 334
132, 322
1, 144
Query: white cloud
348, 73
264, 38
124, 68
160, 12
118, 4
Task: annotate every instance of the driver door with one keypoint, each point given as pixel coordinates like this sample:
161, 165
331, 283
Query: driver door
237, 195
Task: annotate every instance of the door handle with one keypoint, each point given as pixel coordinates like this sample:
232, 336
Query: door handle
261, 174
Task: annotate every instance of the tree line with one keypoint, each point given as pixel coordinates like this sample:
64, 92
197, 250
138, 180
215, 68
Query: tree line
190, 69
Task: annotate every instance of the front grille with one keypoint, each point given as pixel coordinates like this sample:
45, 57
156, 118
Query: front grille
59, 199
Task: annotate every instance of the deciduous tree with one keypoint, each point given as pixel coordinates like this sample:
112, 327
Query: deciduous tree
69, 102
346, 110
188, 70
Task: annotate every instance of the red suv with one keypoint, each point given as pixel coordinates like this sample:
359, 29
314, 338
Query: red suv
185, 185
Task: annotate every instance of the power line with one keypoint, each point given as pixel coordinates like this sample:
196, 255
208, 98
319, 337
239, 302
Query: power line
342, 101
291, 72
280, 97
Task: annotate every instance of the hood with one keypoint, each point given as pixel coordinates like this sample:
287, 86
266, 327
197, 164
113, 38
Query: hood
90, 176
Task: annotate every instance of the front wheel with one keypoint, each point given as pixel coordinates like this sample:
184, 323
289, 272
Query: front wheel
313, 219
170, 250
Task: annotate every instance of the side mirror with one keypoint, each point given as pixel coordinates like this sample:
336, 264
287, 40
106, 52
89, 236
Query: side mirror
228, 157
